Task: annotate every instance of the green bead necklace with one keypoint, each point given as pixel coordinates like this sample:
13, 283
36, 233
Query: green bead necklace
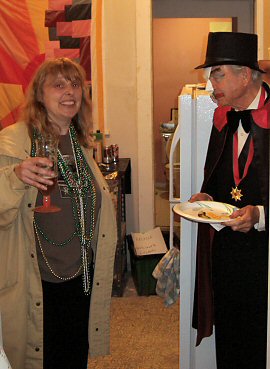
80, 185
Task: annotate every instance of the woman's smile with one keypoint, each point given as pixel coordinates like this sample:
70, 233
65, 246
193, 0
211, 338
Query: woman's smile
62, 99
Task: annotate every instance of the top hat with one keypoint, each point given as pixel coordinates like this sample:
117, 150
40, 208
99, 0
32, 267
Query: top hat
233, 48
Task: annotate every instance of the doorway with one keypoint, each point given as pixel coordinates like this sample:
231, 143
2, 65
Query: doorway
178, 48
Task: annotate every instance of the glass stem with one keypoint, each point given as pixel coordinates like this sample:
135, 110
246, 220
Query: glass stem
46, 201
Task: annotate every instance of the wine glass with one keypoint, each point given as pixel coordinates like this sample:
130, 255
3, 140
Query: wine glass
47, 147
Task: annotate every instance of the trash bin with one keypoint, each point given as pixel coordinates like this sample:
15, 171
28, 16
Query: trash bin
141, 270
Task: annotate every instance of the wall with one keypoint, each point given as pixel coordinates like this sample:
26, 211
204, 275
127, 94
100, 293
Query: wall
127, 76
266, 28
243, 9
178, 48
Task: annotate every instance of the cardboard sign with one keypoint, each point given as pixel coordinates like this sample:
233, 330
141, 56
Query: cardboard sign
148, 243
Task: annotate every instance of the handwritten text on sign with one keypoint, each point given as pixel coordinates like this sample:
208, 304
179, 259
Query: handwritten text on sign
148, 243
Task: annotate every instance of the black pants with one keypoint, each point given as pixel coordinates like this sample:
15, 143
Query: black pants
66, 315
240, 299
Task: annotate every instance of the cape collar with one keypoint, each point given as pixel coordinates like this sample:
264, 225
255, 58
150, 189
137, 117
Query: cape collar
261, 116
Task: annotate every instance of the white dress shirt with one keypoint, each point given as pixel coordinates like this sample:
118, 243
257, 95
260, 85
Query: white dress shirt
242, 137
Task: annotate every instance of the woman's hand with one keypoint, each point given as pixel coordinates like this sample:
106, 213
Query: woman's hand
244, 219
201, 196
31, 171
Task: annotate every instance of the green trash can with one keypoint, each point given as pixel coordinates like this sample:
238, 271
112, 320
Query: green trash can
141, 270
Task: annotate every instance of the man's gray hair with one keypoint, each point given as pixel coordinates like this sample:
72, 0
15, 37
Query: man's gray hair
256, 75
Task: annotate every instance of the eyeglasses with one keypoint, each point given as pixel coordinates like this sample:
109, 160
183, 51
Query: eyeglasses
217, 75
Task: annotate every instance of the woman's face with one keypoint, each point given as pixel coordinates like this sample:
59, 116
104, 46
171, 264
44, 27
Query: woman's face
62, 99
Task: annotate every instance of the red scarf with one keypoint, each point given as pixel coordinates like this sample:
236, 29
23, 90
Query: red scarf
260, 117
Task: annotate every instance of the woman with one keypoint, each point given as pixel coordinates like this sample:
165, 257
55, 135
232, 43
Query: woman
56, 269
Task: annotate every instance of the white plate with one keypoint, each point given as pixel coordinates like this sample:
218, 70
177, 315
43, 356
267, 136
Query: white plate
205, 211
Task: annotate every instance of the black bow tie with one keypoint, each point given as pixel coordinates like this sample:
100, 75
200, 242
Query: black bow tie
234, 118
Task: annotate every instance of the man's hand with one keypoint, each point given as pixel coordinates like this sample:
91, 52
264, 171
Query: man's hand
243, 220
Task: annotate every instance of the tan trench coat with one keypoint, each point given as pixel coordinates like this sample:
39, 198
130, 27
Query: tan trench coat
20, 282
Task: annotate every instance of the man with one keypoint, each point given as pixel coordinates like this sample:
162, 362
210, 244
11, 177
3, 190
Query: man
232, 263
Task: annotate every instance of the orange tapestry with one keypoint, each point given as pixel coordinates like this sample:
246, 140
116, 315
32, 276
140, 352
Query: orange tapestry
30, 32
22, 49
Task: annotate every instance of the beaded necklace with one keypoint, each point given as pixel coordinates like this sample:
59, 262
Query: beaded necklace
80, 184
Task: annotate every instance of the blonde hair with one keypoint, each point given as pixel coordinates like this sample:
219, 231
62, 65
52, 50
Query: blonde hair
34, 111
